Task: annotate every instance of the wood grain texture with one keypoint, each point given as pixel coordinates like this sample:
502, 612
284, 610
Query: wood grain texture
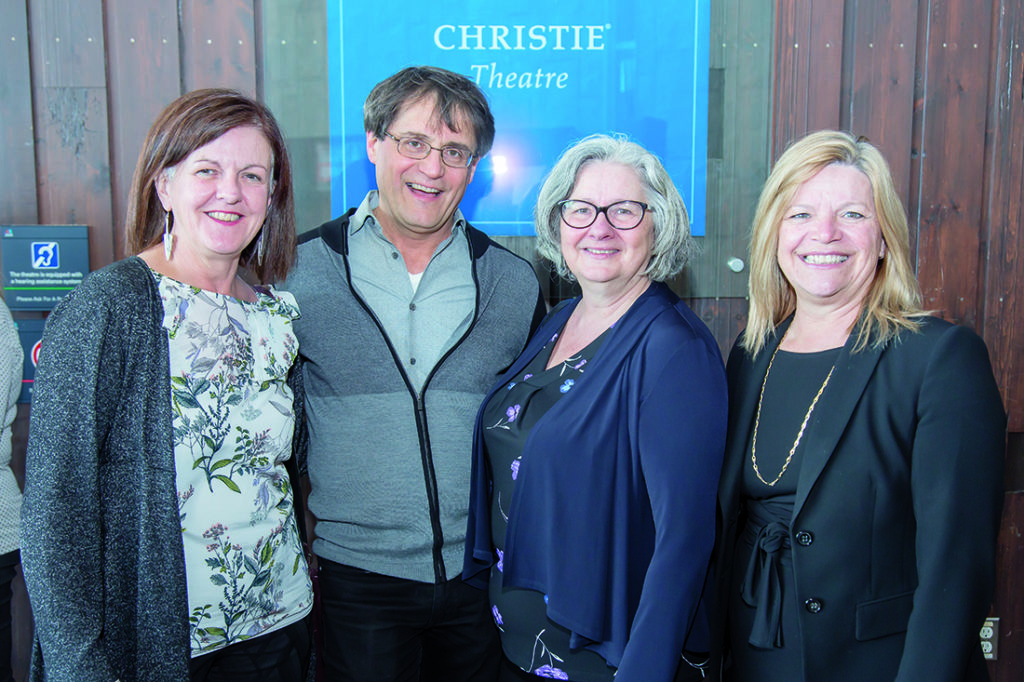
1003, 327
144, 76
741, 43
877, 98
219, 45
17, 149
1009, 600
71, 125
807, 65
950, 128
295, 82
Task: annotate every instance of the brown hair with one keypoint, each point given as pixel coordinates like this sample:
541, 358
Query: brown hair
192, 121
456, 96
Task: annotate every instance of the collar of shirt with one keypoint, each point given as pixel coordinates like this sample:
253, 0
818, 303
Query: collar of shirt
363, 217
421, 324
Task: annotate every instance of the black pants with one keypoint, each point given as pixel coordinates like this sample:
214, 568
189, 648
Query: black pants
8, 565
279, 656
383, 629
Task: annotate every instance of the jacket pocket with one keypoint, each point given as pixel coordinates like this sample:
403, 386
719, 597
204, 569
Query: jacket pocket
882, 617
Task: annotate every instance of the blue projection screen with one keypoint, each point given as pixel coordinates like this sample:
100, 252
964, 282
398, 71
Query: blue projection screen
553, 74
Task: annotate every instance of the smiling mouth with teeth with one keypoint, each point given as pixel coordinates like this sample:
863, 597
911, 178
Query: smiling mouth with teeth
224, 217
817, 259
422, 188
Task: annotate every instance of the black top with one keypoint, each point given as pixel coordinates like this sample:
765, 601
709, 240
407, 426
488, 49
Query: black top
529, 638
766, 641
793, 381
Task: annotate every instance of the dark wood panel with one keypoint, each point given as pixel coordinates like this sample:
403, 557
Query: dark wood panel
1009, 602
1004, 309
741, 43
725, 317
144, 76
70, 99
878, 80
807, 67
17, 153
219, 45
950, 117
67, 43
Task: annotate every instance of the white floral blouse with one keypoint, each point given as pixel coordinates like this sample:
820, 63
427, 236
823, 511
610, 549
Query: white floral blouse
232, 428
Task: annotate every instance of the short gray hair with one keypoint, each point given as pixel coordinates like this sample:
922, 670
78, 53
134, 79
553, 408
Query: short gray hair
671, 244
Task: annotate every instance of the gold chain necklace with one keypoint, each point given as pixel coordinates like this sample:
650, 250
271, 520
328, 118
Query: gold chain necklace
757, 422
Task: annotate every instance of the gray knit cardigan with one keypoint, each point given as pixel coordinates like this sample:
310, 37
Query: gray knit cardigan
101, 538
11, 361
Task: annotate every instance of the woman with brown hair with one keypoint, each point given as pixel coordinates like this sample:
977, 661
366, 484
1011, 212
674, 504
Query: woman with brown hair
160, 536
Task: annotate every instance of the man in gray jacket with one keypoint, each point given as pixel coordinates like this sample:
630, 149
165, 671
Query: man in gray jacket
408, 316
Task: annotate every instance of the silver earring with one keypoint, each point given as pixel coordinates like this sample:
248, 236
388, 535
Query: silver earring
168, 237
259, 249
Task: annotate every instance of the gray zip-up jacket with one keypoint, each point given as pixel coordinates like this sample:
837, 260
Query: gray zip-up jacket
390, 468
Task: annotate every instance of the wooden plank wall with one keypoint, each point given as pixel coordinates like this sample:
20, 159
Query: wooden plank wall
937, 86
739, 130
83, 80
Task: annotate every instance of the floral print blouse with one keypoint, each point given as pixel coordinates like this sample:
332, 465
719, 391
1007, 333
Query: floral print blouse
232, 425
529, 638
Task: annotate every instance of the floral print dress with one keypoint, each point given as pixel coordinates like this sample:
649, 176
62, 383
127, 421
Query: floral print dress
232, 423
529, 638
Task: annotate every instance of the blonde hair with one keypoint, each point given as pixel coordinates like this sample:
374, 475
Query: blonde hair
893, 301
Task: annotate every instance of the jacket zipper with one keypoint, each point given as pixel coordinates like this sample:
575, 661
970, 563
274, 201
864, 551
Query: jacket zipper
429, 475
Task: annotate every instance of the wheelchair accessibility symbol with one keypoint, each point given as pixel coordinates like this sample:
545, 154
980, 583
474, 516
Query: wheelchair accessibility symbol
45, 256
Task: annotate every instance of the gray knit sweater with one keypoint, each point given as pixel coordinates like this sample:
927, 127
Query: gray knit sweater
101, 538
389, 467
11, 360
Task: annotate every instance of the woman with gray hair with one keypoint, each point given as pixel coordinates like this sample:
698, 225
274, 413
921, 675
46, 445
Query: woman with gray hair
598, 452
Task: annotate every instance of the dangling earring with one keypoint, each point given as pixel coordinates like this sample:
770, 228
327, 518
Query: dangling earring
259, 248
168, 237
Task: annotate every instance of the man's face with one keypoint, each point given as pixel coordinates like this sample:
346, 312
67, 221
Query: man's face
419, 197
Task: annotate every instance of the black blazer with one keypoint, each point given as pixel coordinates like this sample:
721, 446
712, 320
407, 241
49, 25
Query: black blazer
897, 507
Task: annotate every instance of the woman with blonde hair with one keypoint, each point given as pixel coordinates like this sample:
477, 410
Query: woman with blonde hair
861, 493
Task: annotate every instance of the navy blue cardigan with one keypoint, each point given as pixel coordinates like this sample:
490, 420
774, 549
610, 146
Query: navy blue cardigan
613, 514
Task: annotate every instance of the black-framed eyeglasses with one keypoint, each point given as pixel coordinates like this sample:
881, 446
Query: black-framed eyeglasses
417, 148
622, 215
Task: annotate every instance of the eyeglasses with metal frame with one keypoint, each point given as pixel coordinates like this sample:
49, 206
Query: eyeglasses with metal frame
622, 215
417, 148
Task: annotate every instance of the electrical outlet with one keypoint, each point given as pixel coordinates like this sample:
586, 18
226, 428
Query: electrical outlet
990, 639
